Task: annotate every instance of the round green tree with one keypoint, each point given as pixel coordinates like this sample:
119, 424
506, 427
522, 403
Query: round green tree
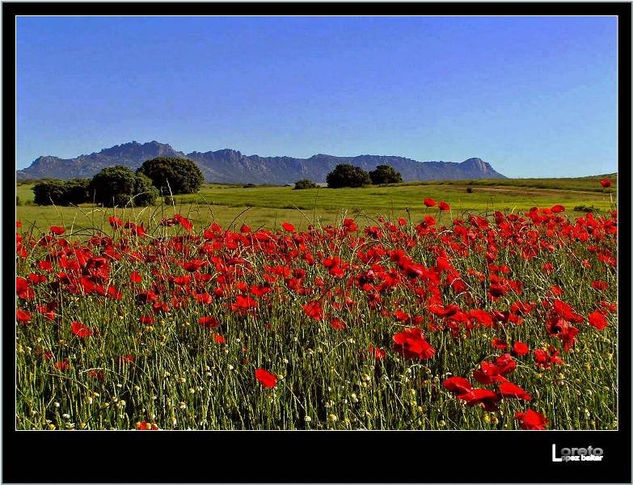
385, 174
345, 175
173, 175
119, 186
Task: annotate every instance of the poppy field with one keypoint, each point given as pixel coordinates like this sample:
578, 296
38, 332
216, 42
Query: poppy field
498, 322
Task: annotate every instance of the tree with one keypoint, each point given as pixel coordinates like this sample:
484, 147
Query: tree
345, 175
305, 184
385, 174
61, 192
173, 175
50, 192
119, 186
77, 191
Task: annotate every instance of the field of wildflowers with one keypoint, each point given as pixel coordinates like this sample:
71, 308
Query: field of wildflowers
505, 322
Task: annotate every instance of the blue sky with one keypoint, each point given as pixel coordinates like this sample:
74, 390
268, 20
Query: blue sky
535, 97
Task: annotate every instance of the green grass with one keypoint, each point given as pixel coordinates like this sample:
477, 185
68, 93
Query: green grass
269, 206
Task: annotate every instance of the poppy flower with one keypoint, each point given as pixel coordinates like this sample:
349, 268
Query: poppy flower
520, 348
245, 229
97, 374
411, 343
209, 322
531, 419
115, 222
377, 352
458, 385
288, 227
80, 330
126, 359
184, 222
557, 209
487, 398
58, 230
147, 320
507, 389
219, 339
314, 310
337, 324
429, 202
62, 365
135, 277
598, 320
22, 316
444, 206
145, 426
599, 285
605, 183
265, 378
499, 344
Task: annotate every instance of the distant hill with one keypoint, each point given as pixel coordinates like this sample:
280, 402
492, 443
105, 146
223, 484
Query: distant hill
231, 166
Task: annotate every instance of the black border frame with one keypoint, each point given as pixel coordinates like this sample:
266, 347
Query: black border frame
316, 456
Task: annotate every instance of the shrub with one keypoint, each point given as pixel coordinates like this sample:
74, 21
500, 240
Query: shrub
119, 186
173, 175
385, 174
305, 184
345, 175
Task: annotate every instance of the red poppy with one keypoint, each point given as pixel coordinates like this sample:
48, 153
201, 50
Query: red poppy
58, 230
458, 385
377, 352
487, 398
22, 316
209, 322
126, 359
245, 229
219, 339
193, 265
520, 348
507, 389
115, 222
314, 310
147, 320
288, 227
599, 285
266, 379
598, 320
135, 277
184, 222
499, 344
444, 206
531, 419
337, 324
97, 374
411, 343
557, 209
62, 365
605, 183
429, 202
145, 426
81, 330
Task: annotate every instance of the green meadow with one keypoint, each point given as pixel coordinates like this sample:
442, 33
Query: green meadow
269, 206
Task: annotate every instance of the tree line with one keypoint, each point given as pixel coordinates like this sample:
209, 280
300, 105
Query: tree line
120, 186
163, 176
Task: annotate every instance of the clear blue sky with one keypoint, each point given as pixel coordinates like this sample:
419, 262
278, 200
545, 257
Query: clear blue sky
535, 97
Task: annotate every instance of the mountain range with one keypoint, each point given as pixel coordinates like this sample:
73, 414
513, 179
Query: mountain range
231, 166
